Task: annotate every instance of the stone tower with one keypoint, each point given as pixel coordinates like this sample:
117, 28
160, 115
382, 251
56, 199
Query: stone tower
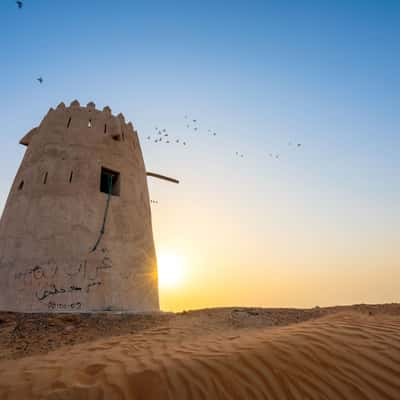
76, 233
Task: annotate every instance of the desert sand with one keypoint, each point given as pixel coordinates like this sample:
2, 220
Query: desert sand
228, 353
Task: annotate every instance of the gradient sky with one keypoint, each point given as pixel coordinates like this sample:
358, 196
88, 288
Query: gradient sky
318, 226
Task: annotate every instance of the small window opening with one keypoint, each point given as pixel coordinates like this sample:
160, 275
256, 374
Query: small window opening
110, 182
70, 176
117, 138
45, 178
69, 122
105, 128
89, 123
21, 185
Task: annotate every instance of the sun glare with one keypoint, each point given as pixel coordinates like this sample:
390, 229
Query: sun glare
170, 270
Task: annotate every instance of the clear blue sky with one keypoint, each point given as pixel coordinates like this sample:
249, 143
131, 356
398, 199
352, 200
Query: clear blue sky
261, 74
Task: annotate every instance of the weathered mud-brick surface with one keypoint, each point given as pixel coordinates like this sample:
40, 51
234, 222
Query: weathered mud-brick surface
76, 232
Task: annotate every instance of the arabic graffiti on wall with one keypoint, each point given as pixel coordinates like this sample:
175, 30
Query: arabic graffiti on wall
50, 280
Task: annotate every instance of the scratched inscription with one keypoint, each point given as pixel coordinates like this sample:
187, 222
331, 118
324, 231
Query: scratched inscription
60, 306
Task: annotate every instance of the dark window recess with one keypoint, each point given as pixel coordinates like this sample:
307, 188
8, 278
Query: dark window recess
105, 128
21, 185
45, 178
69, 122
110, 177
70, 176
89, 123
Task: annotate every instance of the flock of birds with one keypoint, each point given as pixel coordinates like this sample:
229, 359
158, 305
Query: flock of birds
161, 135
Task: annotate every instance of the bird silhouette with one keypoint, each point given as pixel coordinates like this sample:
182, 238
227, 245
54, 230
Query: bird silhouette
298, 144
19, 4
184, 143
148, 137
40, 80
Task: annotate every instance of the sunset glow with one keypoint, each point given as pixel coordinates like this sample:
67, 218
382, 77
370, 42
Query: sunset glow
170, 270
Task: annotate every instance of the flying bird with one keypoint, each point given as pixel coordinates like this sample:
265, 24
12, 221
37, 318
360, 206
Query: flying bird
184, 143
298, 144
40, 80
19, 4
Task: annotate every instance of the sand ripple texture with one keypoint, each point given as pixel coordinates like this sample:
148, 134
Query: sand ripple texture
347, 355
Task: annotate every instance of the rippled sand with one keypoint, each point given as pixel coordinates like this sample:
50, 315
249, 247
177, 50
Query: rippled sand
335, 354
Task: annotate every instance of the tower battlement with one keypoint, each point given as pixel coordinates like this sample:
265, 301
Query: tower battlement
87, 118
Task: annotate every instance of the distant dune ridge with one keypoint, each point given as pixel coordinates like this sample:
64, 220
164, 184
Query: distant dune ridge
336, 353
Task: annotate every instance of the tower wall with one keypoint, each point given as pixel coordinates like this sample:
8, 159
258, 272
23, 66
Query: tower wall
54, 215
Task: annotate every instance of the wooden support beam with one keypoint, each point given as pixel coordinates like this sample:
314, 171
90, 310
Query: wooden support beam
165, 178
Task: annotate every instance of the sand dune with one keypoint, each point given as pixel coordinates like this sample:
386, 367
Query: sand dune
344, 355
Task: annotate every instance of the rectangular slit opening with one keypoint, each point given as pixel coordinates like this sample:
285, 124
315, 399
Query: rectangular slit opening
21, 185
89, 123
45, 178
70, 176
105, 128
110, 177
69, 122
